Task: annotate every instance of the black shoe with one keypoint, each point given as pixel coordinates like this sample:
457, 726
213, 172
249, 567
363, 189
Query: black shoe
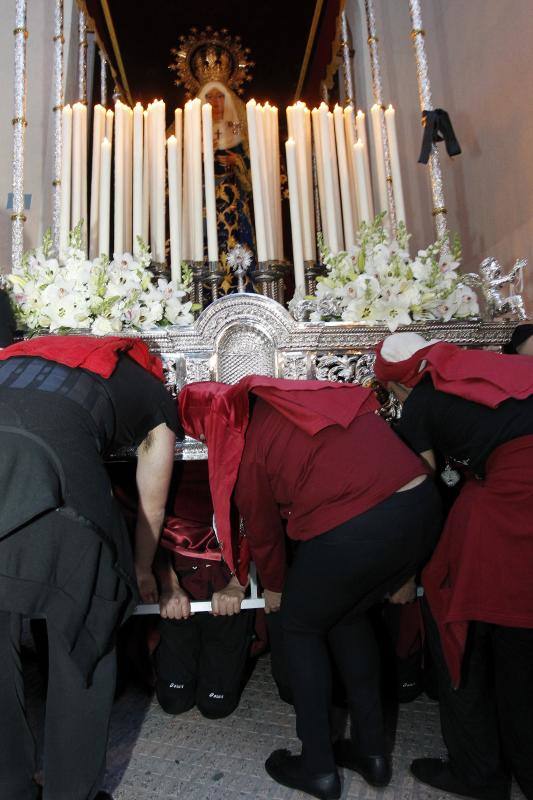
99, 796
376, 770
290, 771
438, 773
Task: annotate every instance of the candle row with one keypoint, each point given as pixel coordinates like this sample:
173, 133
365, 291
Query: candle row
339, 143
263, 135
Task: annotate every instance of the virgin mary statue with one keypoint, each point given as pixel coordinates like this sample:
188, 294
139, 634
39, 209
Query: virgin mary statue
213, 66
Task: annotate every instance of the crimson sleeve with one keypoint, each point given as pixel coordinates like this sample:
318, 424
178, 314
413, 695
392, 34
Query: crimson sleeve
264, 528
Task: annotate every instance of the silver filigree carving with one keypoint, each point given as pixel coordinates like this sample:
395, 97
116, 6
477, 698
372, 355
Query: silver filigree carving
294, 366
491, 282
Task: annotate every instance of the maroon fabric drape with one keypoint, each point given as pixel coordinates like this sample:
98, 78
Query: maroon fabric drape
480, 375
482, 568
97, 354
218, 414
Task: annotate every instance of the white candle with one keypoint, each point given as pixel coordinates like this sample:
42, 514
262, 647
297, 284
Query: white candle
279, 254
335, 178
329, 192
104, 198
173, 216
198, 219
99, 121
349, 135
209, 183
109, 115
77, 109
118, 229
146, 180
255, 163
178, 133
128, 178
265, 182
186, 246
396, 173
315, 118
304, 171
344, 177
296, 230
138, 147
157, 179
361, 135
83, 169
66, 164
362, 194
375, 114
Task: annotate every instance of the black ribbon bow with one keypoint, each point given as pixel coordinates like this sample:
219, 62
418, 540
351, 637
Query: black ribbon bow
437, 128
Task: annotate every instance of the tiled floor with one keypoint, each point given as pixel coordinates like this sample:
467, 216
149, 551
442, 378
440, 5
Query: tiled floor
153, 756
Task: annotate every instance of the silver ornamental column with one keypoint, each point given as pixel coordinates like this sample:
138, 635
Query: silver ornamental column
82, 58
58, 40
377, 91
426, 104
18, 218
103, 79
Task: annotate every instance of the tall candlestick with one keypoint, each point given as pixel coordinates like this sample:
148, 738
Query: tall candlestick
178, 133
83, 154
327, 167
146, 181
395, 164
315, 118
138, 167
276, 178
77, 136
375, 115
296, 230
66, 168
118, 230
173, 210
99, 121
265, 182
344, 177
128, 178
335, 179
362, 193
362, 137
255, 163
104, 198
209, 182
349, 135
109, 115
186, 251
198, 220
300, 117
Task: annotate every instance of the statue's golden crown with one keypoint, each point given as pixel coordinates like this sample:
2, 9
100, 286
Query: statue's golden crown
210, 55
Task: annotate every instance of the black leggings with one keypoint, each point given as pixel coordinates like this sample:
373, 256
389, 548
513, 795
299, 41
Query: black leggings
201, 661
333, 580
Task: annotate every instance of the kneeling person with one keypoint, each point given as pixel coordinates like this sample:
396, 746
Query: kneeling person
201, 658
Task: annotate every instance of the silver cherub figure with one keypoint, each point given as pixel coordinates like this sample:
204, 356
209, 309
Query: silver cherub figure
491, 282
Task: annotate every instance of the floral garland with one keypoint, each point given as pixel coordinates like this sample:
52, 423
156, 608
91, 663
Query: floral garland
378, 282
101, 295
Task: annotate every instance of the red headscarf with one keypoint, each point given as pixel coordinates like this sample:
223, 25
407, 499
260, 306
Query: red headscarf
97, 354
218, 414
483, 376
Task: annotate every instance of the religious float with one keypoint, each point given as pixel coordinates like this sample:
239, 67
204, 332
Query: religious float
171, 226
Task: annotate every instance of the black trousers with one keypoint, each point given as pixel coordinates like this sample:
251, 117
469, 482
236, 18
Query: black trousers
76, 722
487, 723
334, 578
201, 661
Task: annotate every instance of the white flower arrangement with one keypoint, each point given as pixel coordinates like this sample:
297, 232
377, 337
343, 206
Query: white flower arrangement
101, 295
378, 282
